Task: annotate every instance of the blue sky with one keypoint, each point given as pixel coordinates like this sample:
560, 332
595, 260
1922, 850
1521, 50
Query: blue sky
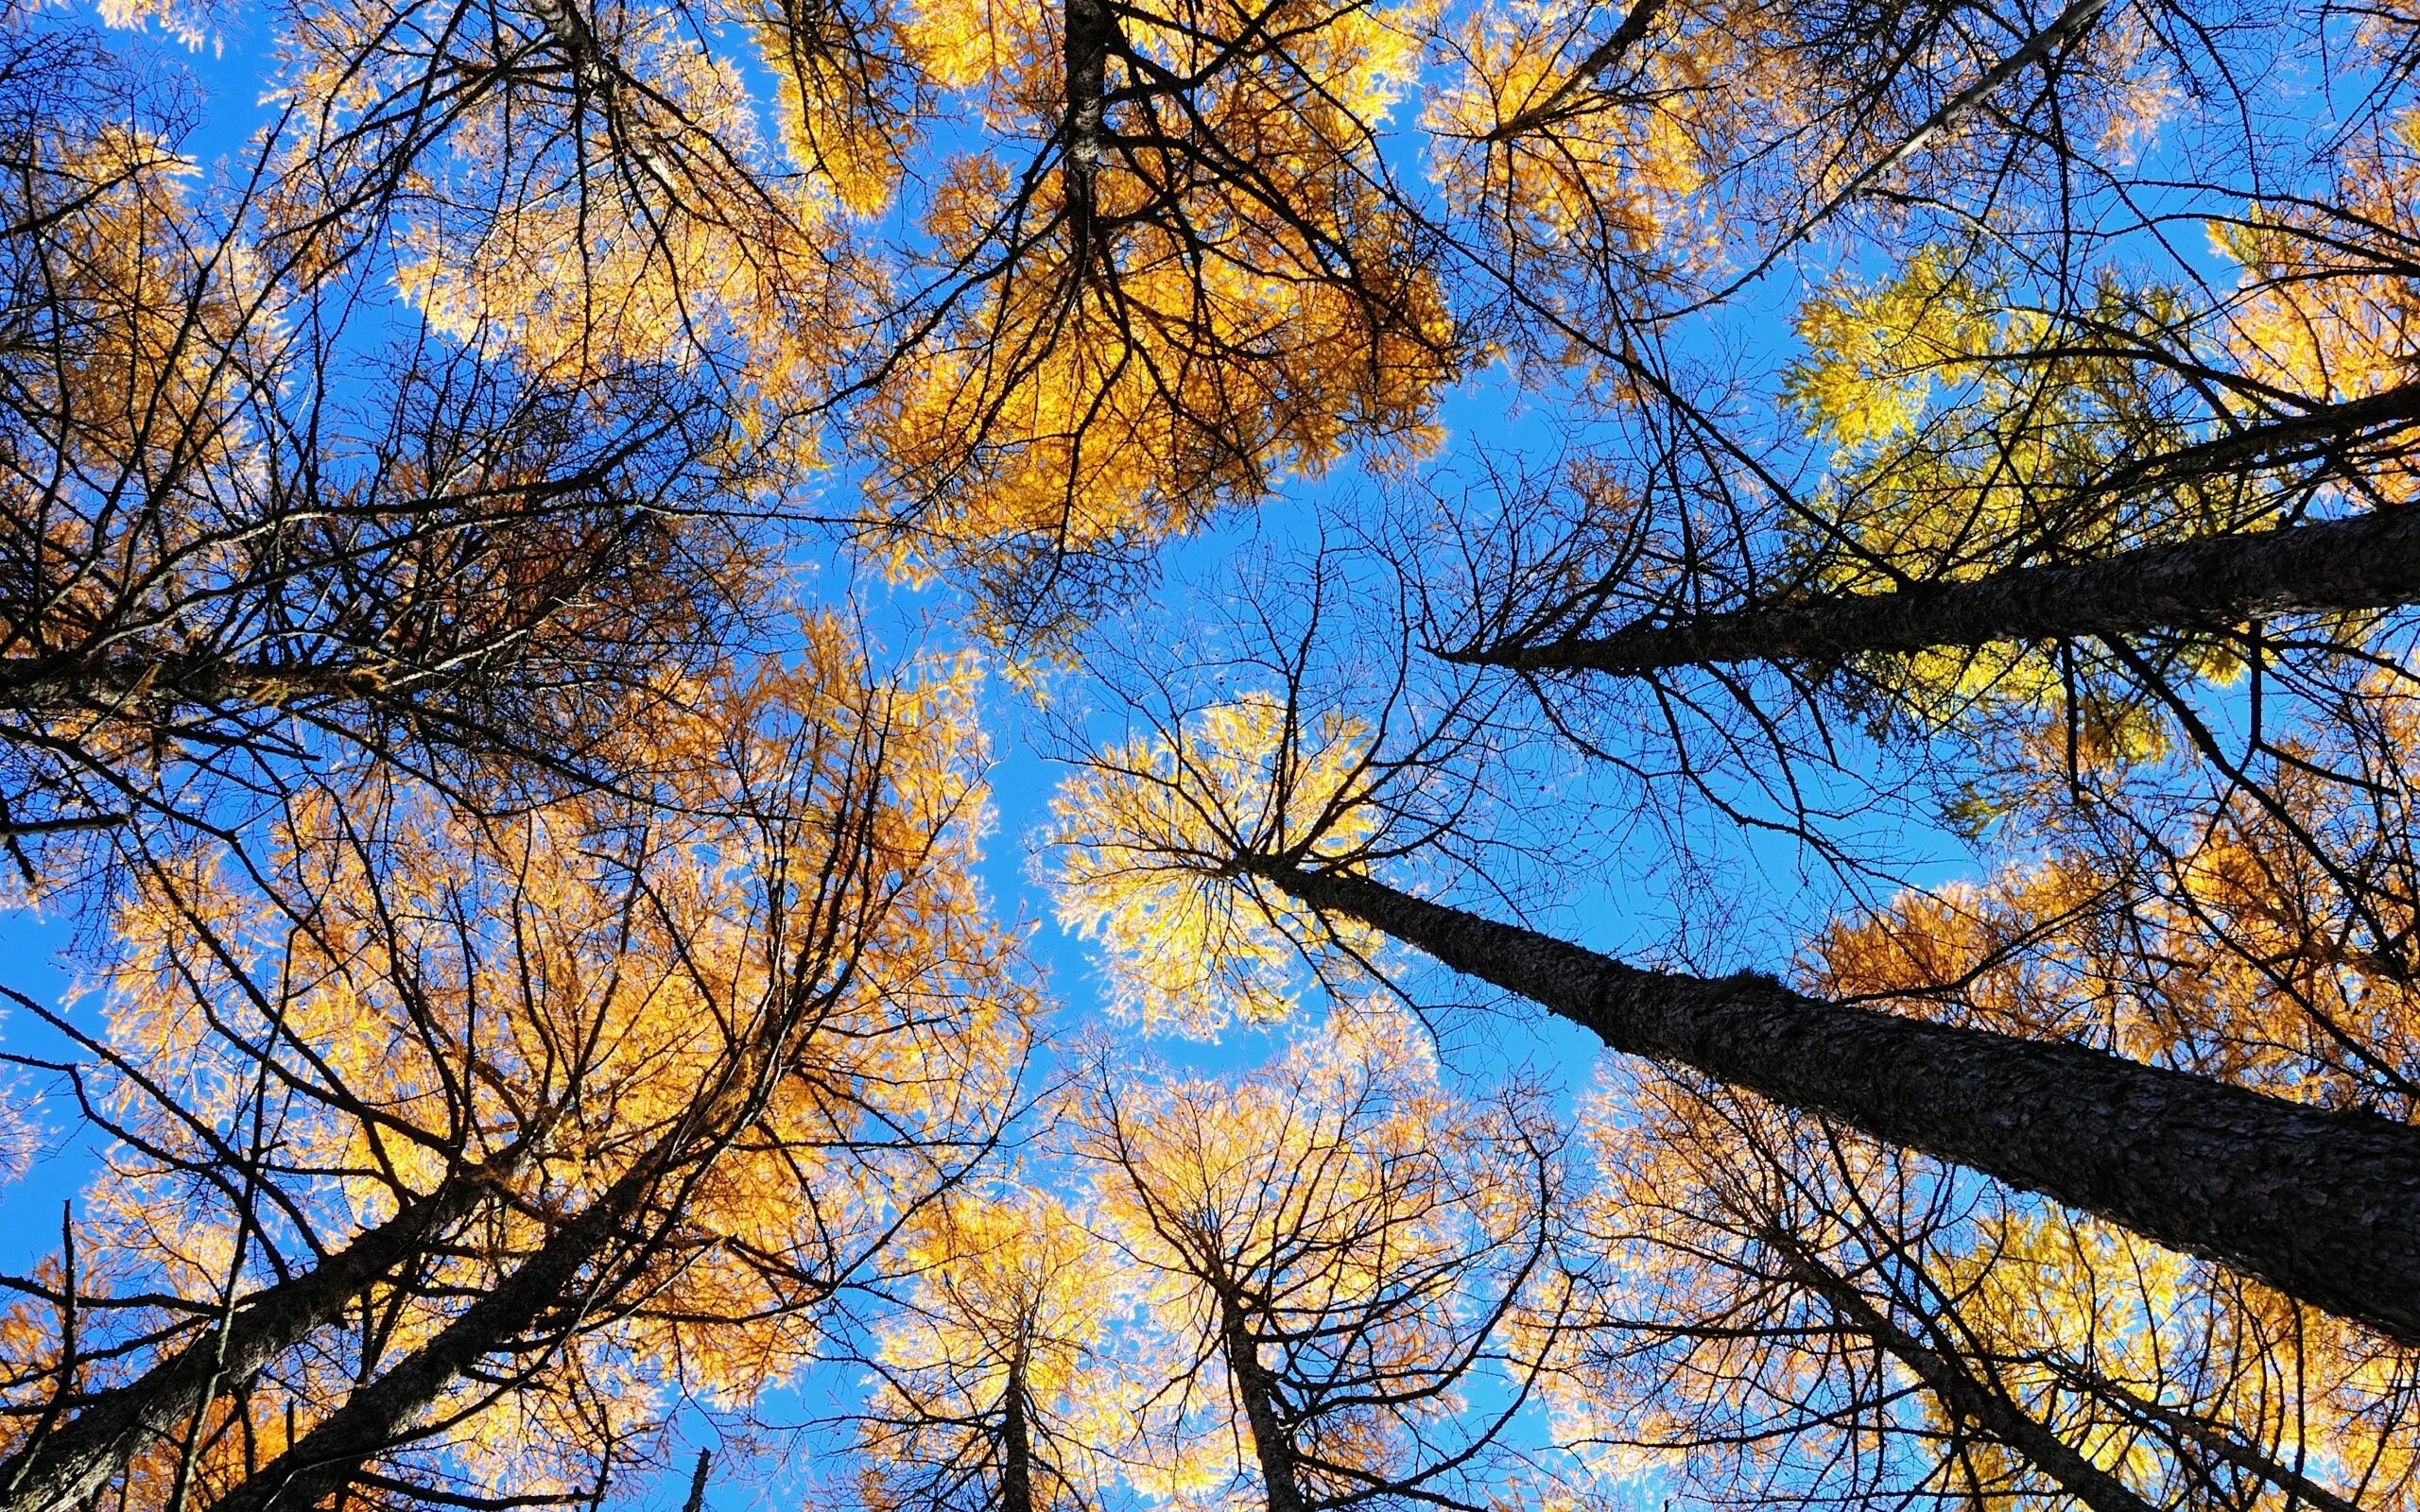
1614, 900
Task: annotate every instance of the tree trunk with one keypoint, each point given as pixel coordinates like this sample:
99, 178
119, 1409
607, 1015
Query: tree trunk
2212, 1437
64, 1468
2342, 565
384, 1414
2322, 1205
66, 684
1962, 1393
1270, 1443
387, 1412
1016, 1442
1585, 77
1090, 30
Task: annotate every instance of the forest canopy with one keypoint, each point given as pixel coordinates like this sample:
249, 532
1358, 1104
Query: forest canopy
1213, 755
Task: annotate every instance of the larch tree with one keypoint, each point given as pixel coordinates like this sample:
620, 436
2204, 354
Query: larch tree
1245, 827
457, 1150
1189, 278
998, 1382
1336, 1249
1785, 1311
2101, 502
540, 986
242, 541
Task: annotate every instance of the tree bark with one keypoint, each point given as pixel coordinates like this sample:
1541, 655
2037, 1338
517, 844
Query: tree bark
2322, 1205
2338, 566
697, 1501
1270, 1443
1090, 32
65, 1466
69, 684
1016, 1442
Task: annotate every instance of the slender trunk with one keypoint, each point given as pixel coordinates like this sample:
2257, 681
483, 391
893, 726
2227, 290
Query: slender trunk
697, 1501
2322, 1205
66, 1467
1270, 1443
1960, 1392
2214, 1439
384, 1414
1016, 1444
1090, 29
2338, 566
1585, 77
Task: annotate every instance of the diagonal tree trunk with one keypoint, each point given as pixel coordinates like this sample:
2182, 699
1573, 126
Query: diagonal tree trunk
2322, 1205
1963, 1392
2339, 566
384, 1414
68, 684
1280, 1476
1583, 76
65, 1466
2212, 1437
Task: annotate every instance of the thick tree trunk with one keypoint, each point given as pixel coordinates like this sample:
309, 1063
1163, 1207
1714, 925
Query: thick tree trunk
2325, 1205
2343, 565
66, 1467
63, 685
385, 1413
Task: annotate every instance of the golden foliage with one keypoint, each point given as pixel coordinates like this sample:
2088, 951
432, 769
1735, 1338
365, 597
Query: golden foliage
600, 190
1151, 835
1133, 332
767, 974
998, 1364
1324, 1248
1780, 1303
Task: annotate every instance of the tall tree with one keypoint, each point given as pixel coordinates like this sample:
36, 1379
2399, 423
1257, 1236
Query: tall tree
2214, 584
997, 1381
1786, 1310
242, 541
699, 1052
1336, 1249
1196, 280
1203, 819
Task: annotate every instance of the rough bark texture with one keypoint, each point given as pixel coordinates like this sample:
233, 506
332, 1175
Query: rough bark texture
2325, 1205
1016, 1443
61, 685
2371, 562
67, 1466
1090, 30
